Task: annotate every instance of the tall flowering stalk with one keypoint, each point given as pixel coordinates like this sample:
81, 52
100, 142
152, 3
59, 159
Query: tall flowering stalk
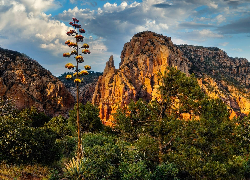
76, 32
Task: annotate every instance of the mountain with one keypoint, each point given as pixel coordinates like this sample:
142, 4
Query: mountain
27, 83
86, 87
148, 53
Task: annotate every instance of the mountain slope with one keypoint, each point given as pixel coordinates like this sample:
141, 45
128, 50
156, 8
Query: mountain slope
149, 53
26, 82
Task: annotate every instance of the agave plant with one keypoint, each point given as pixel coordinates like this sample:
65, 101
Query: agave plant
78, 72
74, 169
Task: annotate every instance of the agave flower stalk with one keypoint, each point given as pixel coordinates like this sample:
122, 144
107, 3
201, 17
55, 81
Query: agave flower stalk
79, 59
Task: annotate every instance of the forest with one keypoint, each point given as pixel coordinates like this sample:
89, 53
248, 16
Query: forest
147, 140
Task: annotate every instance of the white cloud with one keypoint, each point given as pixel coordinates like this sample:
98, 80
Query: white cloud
115, 22
220, 18
237, 49
224, 44
201, 35
212, 5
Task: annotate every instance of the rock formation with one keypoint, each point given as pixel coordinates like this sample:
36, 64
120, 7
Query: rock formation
141, 59
216, 63
148, 53
26, 82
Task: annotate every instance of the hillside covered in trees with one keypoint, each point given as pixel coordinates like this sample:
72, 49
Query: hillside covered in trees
148, 140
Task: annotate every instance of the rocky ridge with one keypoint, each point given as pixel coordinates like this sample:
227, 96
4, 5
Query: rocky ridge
148, 53
217, 64
141, 59
27, 83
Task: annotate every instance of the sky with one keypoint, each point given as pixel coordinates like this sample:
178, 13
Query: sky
38, 27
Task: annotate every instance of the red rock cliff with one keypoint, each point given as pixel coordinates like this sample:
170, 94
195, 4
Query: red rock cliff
142, 58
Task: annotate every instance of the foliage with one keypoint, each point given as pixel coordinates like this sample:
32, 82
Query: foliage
74, 169
32, 116
24, 144
166, 171
135, 170
59, 125
14, 171
178, 93
89, 118
67, 145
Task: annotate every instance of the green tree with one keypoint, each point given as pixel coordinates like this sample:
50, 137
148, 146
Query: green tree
32, 117
60, 126
178, 93
21, 143
89, 118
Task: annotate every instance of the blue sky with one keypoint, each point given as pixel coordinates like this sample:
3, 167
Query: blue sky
38, 27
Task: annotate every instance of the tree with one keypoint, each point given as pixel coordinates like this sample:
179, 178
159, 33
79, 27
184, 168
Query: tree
178, 93
88, 117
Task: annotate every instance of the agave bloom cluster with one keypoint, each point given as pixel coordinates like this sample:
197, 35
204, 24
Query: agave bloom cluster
78, 38
72, 44
79, 58
74, 52
68, 76
66, 54
77, 80
87, 67
69, 66
83, 72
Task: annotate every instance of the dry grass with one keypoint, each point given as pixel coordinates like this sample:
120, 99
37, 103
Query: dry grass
20, 171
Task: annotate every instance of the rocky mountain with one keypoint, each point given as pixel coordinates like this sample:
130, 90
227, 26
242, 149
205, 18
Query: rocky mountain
25, 81
217, 64
148, 53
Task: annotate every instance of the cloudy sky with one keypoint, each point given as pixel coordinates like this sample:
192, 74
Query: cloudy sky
38, 27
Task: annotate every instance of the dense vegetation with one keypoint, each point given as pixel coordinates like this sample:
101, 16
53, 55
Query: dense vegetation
148, 141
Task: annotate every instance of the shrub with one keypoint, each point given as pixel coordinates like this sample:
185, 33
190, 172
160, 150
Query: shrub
166, 171
60, 126
22, 144
89, 118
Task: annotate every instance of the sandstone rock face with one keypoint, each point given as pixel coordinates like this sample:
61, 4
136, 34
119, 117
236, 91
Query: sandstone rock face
141, 59
26, 82
148, 53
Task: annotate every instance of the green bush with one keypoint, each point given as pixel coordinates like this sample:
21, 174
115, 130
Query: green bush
166, 171
23, 144
67, 145
33, 117
135, 171
89, 118
60, 126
